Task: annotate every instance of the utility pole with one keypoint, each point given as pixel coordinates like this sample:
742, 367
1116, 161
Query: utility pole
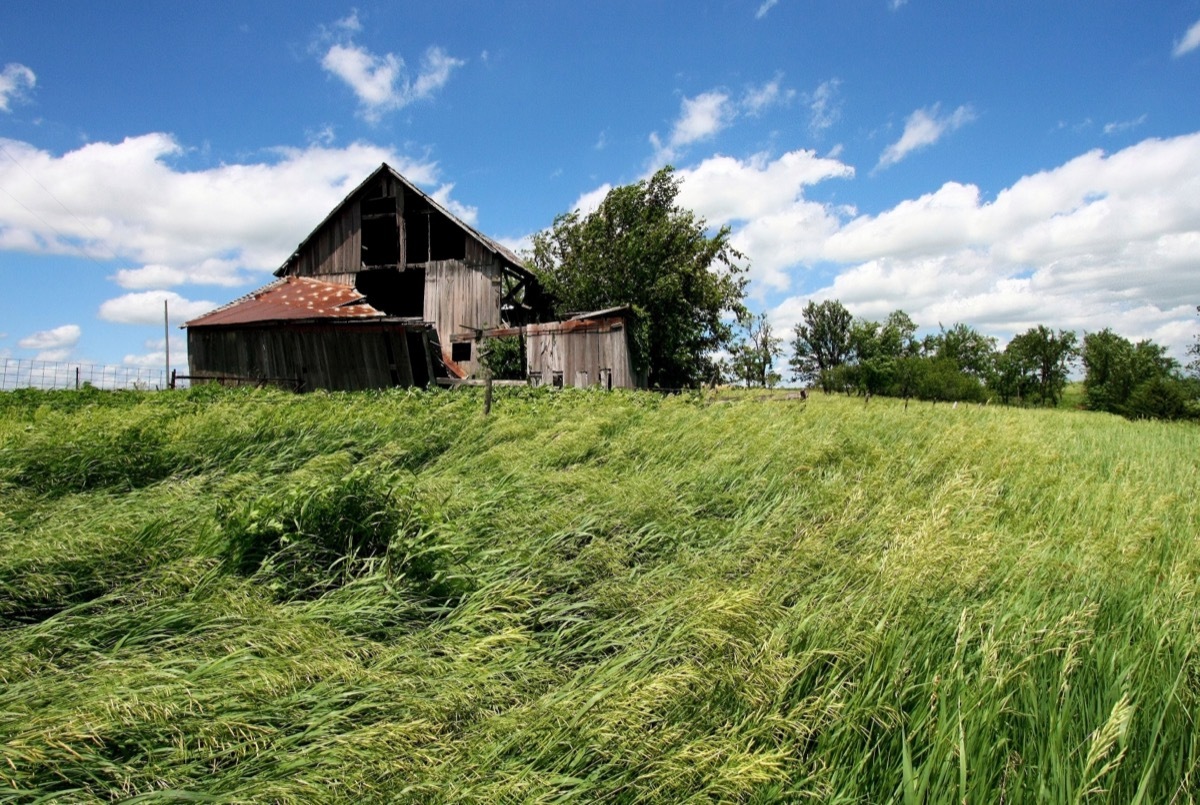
166, 341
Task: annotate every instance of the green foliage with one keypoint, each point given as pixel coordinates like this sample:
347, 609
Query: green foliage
597, 597
506, 358
753, 353
1136, 380
971, 351
1193, 349
821, 343
642, 249
1039, 360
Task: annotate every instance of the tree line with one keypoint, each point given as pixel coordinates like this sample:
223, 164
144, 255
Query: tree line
837, 352
686, 286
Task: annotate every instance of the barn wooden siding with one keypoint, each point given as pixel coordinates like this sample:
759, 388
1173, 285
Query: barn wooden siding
343, 357
580, 354
461, 298
333, 253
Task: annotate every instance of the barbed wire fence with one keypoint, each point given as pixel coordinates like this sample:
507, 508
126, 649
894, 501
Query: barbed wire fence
25, 373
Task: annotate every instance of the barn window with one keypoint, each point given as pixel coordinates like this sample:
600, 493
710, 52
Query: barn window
581, 380
557, 382
535, 379
396, 293
460, 351
606, 379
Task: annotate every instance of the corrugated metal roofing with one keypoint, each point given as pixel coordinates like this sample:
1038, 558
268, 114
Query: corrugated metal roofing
291, 299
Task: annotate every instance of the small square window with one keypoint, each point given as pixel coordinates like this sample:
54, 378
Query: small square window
558, 380
460, 351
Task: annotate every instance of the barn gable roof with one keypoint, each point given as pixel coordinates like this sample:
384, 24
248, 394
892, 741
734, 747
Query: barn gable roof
292, 299
511, 262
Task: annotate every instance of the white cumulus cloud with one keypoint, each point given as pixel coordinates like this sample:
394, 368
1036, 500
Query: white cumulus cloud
758, 99
824, 106
763, 9
382, 83
1102, 240
146, 307
157, 354
1189, 42
923, 128
704, 116
54, 344
15, 81
1119, 126
223, 226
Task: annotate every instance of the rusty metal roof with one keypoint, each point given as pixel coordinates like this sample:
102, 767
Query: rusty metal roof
291, 299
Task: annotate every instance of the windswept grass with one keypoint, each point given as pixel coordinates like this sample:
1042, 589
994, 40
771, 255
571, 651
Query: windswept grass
252, 596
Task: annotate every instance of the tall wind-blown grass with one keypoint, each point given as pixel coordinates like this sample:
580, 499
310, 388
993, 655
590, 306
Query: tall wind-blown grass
243, 596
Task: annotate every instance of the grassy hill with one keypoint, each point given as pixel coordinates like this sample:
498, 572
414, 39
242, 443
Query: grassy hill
252, 596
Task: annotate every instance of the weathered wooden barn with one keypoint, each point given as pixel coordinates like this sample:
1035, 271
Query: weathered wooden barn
391, 289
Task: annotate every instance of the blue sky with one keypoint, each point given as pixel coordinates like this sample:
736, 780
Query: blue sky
999, 163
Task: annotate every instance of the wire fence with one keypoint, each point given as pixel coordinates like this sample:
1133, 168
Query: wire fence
22, 373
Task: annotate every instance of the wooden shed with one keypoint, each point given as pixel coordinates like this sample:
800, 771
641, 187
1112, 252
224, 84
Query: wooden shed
587, 349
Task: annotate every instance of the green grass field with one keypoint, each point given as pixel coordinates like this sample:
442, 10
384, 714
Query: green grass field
252, 596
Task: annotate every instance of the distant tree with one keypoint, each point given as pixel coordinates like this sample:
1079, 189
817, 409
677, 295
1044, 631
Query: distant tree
821, 343
1045, 357
1159, 397
1140, 381
641, 248
752, 358
942, 381
973, 352
1194, 350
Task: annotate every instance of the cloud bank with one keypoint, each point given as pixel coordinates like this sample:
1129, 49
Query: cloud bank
225, 226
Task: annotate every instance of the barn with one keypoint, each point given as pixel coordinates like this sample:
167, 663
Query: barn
392, 289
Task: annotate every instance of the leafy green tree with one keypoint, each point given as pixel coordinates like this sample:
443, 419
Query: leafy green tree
1140, 381
973, 352
641, 248
752, 358
1194, 350
1046, 357
1159, 397
941, 380
821, 342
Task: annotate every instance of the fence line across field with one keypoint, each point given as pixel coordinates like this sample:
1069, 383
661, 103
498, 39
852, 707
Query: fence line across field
24, 373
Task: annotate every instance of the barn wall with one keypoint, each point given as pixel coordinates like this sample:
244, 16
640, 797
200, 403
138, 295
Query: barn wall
344, 358
460, 296
584, 357
334, 252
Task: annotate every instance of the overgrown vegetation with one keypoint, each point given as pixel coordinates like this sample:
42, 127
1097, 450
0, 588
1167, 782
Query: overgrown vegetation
251, 596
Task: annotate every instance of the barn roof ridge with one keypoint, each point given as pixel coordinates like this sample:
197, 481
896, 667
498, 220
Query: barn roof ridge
507, 255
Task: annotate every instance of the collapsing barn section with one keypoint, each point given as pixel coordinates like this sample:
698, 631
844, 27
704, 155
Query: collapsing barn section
305, 334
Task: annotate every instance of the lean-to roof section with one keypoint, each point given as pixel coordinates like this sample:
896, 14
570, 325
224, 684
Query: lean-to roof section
292, 299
